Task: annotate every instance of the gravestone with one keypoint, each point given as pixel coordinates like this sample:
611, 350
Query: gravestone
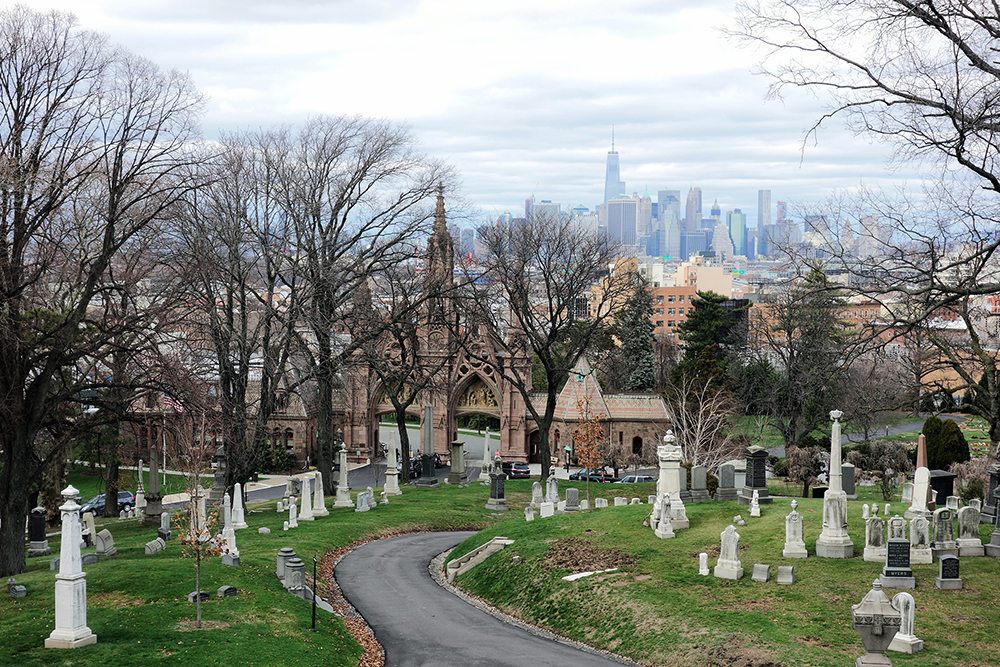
786, 575
755, 505
221, 468
993, 548
874, 538
194, 595
727, 482
795, 546
686, 486
699, 485
90, 559
989, 514
664, 528
39, 543
907, 492
155, 546
819, 491
968, 542
319, 499
285, 554
458, 474
897, 572
498, 478
537, 498
285, 525
428, 478
154, 499
529, 513
263, 530
672, 479
897, 528
281, 506
944, 483
572, 500
383, 498
619, 501
71, 629
561, 506
88, 530
54, 563
651, 498
761, 573
953, 503
105, 544
584, 504
756, 477
847, 471
239, 518
943, 535
293, 513
546, 510
552, 490
16, 590
905, 641
876, 621
948, 578
307, 510
920, 541
921, 495
729, 566
834, 541
703, 564
343, 487
866, 511
163, 532
635, 501
600, 503
295, 574
227, 591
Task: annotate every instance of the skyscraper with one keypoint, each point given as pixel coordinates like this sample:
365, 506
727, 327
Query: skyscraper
692, 211
614, 187
737, 224
763, 208
623, 216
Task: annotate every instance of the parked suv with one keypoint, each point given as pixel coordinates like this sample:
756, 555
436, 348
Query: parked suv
595, 475
516, 470
126, 501
636, 479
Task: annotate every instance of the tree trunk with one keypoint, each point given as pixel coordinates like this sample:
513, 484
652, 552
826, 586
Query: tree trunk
404, 445
324, 426
111, 486
15, 480
805, 489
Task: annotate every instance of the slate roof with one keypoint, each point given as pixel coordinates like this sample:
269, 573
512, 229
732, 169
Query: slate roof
583, 384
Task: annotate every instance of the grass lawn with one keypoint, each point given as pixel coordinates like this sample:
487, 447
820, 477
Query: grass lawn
657, 610
89, 483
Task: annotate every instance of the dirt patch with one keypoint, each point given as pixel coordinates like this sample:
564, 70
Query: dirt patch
192, 626
643, 577
579, 555
814, 641
733, 653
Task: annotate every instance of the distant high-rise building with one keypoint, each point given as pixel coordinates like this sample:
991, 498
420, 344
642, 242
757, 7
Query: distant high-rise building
737, 230
614, 186
671, 238
529, 207
623, 218
468, 242
716, 212
548, 210
782, 213
751, 245
692, 211
721, 243
669, 204
868, 238
763, 208
645, 214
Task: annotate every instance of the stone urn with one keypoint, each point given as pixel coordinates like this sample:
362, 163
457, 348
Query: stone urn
875, 619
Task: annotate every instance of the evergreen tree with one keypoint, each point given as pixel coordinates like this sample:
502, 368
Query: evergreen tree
635, 330
706, 332
945, 444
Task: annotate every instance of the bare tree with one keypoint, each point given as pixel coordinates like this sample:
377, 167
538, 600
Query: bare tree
531, 295
83, 124
354, 193
922, 76
701, 414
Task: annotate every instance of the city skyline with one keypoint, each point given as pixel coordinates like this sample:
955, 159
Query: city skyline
520, 100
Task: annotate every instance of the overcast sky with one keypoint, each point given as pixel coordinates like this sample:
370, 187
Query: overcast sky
519, 96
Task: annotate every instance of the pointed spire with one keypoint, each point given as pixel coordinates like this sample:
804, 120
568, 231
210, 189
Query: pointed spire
440, 223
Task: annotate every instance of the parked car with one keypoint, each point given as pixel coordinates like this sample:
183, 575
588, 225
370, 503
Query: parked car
595, 474
126, 501
416, 468
636, 479
516, 470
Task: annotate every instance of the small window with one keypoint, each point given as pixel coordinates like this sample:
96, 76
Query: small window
680, 311
670, 311
670, 323
659, 298
659, 324
659, 311
681, 298
671, 298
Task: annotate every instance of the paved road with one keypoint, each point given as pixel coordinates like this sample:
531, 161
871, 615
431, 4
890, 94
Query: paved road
419, 623
908, 427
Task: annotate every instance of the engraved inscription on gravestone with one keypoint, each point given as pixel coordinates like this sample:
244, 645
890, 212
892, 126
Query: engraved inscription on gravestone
949, 567
897, 560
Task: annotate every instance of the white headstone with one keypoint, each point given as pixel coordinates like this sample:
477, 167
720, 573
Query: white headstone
795, 546
293, 513
319, 500
920, 541
729, 566
307, 506
71, 629
547, 509
619, 501
921, 493
343, 487
904, 640
833, 541
703, 564
529, 514
600, 502
537, 497
239, 520
755, 505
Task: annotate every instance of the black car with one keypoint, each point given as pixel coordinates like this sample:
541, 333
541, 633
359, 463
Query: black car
126, 501
516, 470
595, 475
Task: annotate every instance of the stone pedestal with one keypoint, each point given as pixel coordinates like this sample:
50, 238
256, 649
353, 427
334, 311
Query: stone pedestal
391, 474
756, 477
498, 478
154, 508
343, 487
458, 475
671, 481
71, 583
307, 506
834, 542
219, 465
239, 519
428, 476
877, 622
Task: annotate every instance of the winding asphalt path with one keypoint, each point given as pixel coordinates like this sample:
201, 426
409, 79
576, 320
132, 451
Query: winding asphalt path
419, 623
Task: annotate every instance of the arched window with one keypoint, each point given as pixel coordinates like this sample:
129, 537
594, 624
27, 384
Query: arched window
289, 439
637, 446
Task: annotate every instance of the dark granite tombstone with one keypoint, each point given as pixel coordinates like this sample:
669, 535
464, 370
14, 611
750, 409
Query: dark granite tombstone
989, 513
819, 491
944, 483
897, 572
36, 533
194, 595
948, 574
756, 478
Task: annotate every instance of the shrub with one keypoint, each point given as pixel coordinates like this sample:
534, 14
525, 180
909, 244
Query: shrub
951, 447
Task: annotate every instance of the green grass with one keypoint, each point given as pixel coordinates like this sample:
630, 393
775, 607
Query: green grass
657, 611
89, 481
